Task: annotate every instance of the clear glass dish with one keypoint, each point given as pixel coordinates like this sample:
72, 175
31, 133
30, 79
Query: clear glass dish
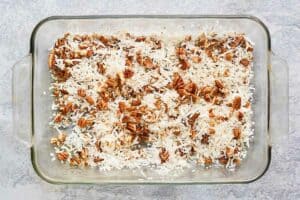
32, 102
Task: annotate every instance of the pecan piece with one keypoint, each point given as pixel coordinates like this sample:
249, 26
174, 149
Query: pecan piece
236, 133
63, 156
193, 118
51, 59
223, 160
196, 59
102, 105
164, 155
184, 65
245, 62
98, 159
211, 131
100, 68
90, 100
82, 122
236, 104
205, 139
228, 56
81, 92
148, 63
240, 116
207, 161
219, 84
122, 106
136, 102
128, 73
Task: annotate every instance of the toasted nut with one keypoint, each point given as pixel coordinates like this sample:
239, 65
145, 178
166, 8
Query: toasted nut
205, 139
51, 59
111, 82
244, 62
211, 113
211, 131
236, 104
148, 63
184, 65
207, 161
188, 38
98, 145
82, 122
97, 159
67, 108
61, 137
236, 133
219, 84
240, 116
226, 72
196, 59
75, 161
102, 105
247, 105
81, 92
128, 73
136, 102
223, 160
131, 127
164, 155
100, 68
193, 118
54, 141
193, 133
122, 106
228, 56
229, 152
90, 100
62, 156
58, 118
140, 39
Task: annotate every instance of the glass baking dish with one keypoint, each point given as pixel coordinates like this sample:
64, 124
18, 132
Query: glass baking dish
32, 102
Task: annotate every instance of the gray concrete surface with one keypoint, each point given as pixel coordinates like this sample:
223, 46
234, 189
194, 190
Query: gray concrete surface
19, 181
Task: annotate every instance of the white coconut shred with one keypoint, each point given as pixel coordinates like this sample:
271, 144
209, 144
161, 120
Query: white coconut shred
126, 101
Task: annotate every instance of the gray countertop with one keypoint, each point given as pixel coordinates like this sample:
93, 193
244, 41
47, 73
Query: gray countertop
17, 177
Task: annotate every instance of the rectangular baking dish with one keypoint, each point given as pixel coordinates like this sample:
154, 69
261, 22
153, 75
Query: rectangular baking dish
32, 101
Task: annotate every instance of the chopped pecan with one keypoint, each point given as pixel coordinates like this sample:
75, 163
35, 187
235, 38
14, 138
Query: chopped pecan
219, 84
205, 139
196, 59
211, 131
164, 155
131, 127
228, 56
226, 72
75, 161
177, 82
184, 65
122, 106
81, 92
236, 104
240, 116
247, 104
63, 156
193, 118
245, 62
100, 68
67, 108
54, 141
128, 73
128, 61
58, 118
61, 137
229, 152
148, 63
236, 133
136, 102
90, 100
207, 161
111, 82
211, 113
51, 59
82, 122
223, 160
102, 105
98, 145
98, 159
193, 133
140, 39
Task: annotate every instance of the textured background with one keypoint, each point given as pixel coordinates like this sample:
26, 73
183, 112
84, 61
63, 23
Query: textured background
19, 181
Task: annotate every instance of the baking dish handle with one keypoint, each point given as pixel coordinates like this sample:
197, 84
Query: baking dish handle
21, 99
279, 101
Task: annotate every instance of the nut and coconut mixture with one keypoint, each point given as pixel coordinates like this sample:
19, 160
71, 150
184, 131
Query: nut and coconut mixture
127, 101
